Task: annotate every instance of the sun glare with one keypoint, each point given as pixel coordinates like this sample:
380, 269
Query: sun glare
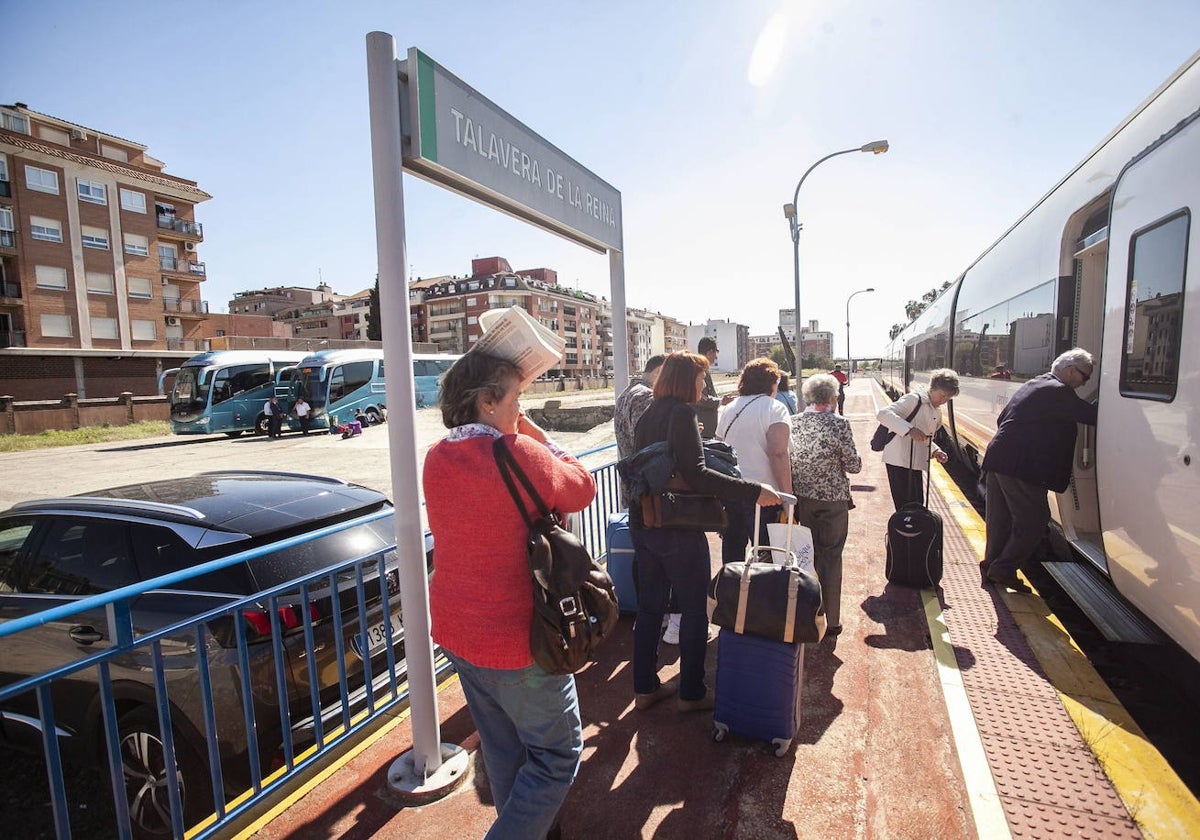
768, 50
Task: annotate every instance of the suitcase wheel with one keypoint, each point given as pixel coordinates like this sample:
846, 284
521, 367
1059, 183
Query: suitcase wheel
719, 730
781, 746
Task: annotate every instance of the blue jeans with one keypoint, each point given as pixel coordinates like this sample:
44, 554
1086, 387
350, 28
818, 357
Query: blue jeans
738, 535
532, 740
671, 561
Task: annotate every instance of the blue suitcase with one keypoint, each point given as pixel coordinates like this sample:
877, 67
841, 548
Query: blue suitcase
620, 561
757, 694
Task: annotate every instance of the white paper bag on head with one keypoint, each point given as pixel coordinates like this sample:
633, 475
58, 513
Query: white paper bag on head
801, 545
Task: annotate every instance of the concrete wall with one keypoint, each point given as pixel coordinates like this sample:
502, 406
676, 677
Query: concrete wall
29, 417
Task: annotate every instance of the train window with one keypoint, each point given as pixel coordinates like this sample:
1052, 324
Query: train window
1154, 309
1011, 340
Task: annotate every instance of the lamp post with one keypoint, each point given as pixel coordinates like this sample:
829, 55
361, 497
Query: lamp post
849, 362
877, 147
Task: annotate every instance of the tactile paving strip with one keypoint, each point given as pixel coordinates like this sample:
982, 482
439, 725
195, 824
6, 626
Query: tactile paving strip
1049, 782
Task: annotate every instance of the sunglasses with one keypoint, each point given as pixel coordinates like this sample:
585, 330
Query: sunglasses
1086, 376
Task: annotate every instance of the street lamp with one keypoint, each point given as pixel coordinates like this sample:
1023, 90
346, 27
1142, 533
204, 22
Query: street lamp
849, 362
877, 147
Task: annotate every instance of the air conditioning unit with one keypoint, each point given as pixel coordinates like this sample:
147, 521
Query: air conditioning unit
189, 246
172, 321
78, 134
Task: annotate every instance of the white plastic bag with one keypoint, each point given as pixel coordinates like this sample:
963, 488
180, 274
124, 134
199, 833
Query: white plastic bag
801, 543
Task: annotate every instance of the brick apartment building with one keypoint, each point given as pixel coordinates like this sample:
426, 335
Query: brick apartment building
100, 277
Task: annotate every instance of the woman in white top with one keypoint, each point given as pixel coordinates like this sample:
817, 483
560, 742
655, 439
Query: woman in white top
756, 425
907, 454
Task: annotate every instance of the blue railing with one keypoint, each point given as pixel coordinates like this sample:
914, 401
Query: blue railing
187, 664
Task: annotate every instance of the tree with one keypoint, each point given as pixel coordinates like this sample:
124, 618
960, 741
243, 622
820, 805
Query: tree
780, 358
374, 317
913, 309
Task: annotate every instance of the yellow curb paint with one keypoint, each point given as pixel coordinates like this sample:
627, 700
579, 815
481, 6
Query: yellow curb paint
986, 810
1154, 796
298, 794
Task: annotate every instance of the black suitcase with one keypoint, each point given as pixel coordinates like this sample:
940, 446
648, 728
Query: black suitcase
914, 544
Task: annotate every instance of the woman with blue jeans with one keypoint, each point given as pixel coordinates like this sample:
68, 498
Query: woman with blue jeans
673, 560
481, 596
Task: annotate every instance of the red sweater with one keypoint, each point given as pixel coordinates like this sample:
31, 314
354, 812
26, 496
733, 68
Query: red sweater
481, 597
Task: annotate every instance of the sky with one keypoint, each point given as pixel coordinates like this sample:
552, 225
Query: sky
704, 115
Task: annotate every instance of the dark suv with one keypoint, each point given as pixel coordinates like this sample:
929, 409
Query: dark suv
56, 551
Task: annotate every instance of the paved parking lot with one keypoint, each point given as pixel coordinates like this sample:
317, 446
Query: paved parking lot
363, 460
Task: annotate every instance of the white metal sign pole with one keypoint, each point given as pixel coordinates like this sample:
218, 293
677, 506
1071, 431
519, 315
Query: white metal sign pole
620, 326
384, 91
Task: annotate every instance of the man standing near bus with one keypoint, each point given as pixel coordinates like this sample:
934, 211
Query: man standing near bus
302, 411
274, 412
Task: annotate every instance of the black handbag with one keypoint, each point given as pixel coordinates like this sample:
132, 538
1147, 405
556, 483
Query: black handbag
574, 602
883, 435
683, 510
774, 601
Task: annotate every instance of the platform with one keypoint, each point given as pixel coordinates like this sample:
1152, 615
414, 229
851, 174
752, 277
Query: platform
955, 714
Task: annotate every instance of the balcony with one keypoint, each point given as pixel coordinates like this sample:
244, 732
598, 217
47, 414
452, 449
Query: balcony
181, 266
192, 345
192, 230
185, 307
10, 290
12, 338
8, 238
5, 189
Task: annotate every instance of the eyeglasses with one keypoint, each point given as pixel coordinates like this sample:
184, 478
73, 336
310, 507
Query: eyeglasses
1085, 374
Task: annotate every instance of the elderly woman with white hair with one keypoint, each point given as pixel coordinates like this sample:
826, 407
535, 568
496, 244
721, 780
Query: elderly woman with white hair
915, 418
822, 453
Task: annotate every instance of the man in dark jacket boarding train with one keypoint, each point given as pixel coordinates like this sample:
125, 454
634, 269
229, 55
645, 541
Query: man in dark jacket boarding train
1030, 454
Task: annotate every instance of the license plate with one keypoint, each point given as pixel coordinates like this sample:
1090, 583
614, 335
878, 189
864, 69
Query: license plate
376, 637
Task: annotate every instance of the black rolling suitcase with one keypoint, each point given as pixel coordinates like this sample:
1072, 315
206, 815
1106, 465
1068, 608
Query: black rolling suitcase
914, 544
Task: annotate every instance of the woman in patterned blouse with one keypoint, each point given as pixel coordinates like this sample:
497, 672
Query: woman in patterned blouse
822, 453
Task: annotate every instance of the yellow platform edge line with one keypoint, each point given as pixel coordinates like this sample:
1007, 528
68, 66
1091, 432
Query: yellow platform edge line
1153, 794
984, 799
306, 788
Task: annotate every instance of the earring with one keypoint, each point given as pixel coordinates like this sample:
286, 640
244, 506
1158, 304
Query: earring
491, 411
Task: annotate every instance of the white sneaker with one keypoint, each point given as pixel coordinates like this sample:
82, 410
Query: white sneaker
671, 636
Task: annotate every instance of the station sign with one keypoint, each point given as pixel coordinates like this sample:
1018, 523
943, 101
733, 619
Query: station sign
456, 137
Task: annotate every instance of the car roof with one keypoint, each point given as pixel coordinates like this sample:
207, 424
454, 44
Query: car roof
248, 502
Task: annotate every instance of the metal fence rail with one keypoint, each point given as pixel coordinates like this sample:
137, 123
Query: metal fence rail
238, 650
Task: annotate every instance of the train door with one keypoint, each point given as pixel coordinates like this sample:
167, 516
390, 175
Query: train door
1149, 428
1080, 324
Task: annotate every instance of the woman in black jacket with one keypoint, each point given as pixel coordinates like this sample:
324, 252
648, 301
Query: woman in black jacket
673, 560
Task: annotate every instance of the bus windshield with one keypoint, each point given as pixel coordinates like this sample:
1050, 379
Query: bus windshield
307, 381
189, 397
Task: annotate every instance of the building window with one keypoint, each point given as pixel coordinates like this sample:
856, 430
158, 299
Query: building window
42, 180
3, 168
92, 191
14, 122
471, 301
113, 153
6, 227
99, 283
140, 287
1154, 301
143, 330
104, 328
133, 201
47, 230
94, 237
50, 277
56, 326
137, 245
54, 135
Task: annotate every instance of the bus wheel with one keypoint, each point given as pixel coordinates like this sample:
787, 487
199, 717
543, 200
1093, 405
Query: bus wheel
373, 416
238, 433
262, 425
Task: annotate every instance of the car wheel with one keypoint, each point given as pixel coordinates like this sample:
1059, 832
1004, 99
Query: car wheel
262, 425
238, 433
144, 768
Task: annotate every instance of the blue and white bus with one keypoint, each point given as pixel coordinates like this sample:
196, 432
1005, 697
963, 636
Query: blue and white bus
225, 390
345, 383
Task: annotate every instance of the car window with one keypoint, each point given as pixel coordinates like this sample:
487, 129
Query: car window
14, 533
81, 557
158, 551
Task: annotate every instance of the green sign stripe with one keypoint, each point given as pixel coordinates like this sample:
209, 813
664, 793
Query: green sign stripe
426, 106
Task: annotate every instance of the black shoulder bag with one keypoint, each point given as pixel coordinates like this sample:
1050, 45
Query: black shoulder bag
574, 603
883, 435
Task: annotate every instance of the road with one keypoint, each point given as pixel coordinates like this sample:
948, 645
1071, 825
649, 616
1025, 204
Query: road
67, 471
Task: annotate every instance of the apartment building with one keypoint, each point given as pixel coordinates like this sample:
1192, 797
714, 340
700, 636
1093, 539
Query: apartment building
450, 308
100, 273
98, 246
733, 342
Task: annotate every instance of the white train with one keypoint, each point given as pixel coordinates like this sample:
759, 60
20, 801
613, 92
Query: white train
1108, 260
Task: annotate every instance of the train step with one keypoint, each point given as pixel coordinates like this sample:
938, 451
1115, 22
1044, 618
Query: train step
1115, 618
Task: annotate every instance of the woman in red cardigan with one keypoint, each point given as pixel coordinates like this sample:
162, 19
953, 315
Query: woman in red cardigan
481, 597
